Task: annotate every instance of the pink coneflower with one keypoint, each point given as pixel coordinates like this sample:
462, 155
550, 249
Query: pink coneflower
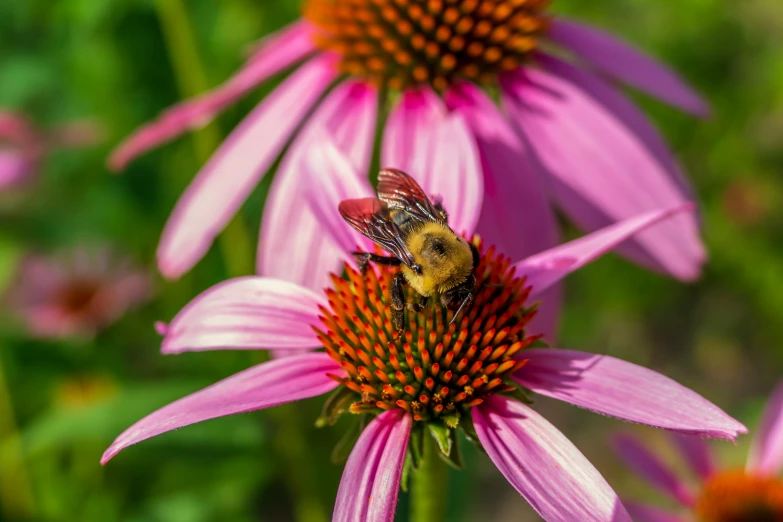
76, 295
433, 377
754, 494
23, 146
564, 134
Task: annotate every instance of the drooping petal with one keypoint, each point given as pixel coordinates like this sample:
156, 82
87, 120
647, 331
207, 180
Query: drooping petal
371, 479
543, 465
268, 384
620, 389
515, 217
329, 178
293, 245
247, 313
696, 452
14, 167
627, 64
645, 513
549, 267
650, 467
600, 168
439, 151
766, 450
233, 171
278, 52
625, 111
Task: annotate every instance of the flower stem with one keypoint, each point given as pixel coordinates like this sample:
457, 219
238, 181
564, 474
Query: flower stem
16, 492
235, 244
428, 488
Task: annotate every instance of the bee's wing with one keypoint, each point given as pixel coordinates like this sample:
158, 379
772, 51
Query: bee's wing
399, 190
371, 217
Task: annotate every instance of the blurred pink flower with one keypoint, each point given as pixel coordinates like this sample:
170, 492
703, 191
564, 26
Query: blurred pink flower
728, 495
76, 295
432, 374
23, 146
564, 135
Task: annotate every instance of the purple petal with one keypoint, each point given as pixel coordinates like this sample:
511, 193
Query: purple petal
627, 64
650, 467
247, 313
329, 178
371, 479
269, 384
601, 166
233, 171
549, 267
516, 217
408, 133
543, 465
279, 51
620, 389
645, 513
293, 245
14, 167
766, 450
696, 452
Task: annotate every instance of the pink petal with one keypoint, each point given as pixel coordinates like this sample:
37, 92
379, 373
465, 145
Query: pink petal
328, 179
280, 51
593, 157
293, 245
620, 389
766, 450
14, 167
233, 171
439, 151
549, 267
696, 452
247, 313
624, 110
543, 465
371, 479
645, 513
650, 467
516, 217
269, 384
627, 64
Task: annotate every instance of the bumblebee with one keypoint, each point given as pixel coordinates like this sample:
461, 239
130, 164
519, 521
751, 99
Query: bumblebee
434, 261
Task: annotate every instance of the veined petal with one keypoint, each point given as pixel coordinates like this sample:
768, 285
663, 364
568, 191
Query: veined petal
696, 452
438, 150
645, 513
650, 467
328, 179
627, 64
247, 313
278, 52
766, 450
549, 267
371, 479
516, 216
268, 384
233, 171
543, 465
601, 165
293, 245
620, 389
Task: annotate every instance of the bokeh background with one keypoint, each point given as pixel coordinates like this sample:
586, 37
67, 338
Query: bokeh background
122, 61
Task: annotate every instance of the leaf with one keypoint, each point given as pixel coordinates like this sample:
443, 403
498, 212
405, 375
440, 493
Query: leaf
454, 458
337, 404
416, 446
344, 446
442, 435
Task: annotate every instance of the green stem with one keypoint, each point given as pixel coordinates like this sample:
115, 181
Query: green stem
428, 487
235, 243
16, 492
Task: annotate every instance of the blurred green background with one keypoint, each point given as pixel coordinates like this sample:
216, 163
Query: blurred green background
112, 60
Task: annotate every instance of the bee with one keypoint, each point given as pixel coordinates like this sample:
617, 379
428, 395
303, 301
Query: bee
434, 261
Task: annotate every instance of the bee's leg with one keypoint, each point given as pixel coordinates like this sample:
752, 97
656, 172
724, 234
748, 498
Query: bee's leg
364, 258
397, 301
418, 307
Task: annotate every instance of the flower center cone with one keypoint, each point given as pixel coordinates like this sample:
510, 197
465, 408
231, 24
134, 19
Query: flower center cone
735, 496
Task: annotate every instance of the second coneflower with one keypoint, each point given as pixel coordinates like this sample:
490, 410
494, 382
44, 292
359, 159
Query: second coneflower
434, 64
432, 378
